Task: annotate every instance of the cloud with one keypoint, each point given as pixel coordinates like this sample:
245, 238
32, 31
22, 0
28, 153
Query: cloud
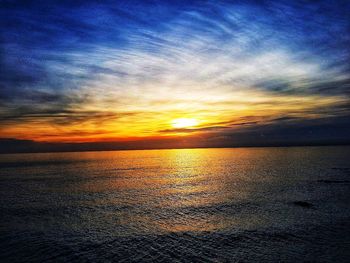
136, 65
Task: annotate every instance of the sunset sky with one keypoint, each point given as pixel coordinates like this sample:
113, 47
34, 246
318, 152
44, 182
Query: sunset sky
221, 71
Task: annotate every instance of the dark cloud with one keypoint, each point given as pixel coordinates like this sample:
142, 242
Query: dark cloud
51, 107
294, 131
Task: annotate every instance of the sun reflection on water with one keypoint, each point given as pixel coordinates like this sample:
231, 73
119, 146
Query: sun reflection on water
171, 190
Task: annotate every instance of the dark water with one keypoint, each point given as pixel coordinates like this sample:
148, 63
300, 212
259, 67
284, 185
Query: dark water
203, 205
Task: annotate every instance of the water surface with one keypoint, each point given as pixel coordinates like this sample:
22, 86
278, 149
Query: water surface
189, 205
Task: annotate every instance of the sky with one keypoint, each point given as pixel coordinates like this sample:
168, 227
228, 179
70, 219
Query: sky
194, 73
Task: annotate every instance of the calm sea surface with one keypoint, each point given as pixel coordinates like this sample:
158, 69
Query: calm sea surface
192, 205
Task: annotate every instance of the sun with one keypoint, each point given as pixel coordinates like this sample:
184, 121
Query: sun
184, 123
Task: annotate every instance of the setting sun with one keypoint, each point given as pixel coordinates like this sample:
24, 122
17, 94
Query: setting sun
184, 123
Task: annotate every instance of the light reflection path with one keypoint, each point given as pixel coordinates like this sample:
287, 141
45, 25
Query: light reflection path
177, 190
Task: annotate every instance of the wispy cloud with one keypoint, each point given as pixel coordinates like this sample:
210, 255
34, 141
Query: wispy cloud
130, 68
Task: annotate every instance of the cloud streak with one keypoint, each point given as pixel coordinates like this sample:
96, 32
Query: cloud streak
131, 68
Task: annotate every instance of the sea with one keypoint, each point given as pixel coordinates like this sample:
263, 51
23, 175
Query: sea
282, 204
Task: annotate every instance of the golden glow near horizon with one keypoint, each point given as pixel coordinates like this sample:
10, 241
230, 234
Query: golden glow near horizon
100, 122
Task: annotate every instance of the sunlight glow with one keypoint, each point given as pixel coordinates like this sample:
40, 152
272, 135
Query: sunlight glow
184, 123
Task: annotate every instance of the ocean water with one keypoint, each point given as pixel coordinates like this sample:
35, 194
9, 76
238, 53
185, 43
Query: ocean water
189, 205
